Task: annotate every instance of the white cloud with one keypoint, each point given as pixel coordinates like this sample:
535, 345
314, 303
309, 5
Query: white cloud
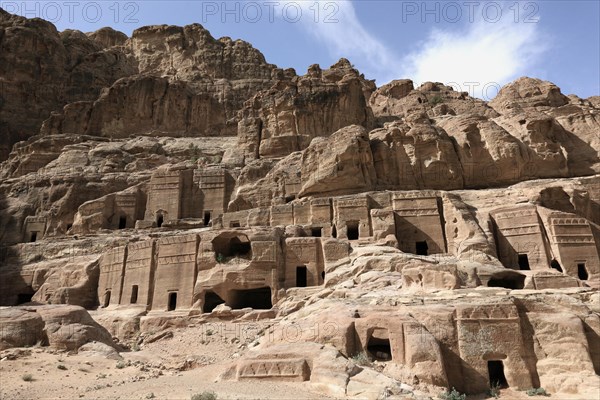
337, 26
482, 52
485, 53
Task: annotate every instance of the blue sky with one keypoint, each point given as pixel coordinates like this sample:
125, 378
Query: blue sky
473, 45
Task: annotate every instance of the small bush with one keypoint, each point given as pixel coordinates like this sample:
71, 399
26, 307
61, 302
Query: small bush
436, 100
494, 390
27, 378
537, 392
453, 395
121, 365
205, 396
361, 358
61, 367
220, 258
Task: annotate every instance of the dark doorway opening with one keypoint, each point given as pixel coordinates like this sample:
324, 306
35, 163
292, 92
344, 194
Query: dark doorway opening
323, 276
496, 374
122, 222
316, 232
69, 226
582, 272
524, 262
555, 265
207, 217
258, 299
301, 276
134, 294
234, 224
33, 237
106, 298
172, 301
23, 298
380, 349
352, 230
159, 220
334, 232
232, 246
211, 301
421, 248
508, 282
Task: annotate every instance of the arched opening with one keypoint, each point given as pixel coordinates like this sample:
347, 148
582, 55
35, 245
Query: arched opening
122, 222
172, 303
508, 282
211, 301
106, 298
421, 248
301, 276
496, 374
258, 299
555, 265
228, 245
33, 237
524, 262
379, 345
134, 294
207, 217
352, 230
582, 272
23, 298
159, 220
316, 232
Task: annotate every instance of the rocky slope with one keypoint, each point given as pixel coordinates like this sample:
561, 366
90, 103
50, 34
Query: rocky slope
383, 241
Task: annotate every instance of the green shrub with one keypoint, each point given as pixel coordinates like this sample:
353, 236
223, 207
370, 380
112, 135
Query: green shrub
61, 367
361, 358
537, 392
121, 365
436, 100
205, 396
220, 258
494, 390
27, 378
453, 395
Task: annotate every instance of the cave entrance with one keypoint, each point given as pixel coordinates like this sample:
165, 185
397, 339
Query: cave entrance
496, 374
33, 237
524, 262
582, 272
211, 301
301, 276
134, 294
352, 230
316, 232
555, 265
258, 299
508, 282
207, 217
379, 348
23, 298
122, 222
421, 248
106, 298
172, 304
159, 220
232, 246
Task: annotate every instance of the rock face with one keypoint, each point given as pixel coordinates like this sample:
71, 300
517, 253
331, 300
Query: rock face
412, 239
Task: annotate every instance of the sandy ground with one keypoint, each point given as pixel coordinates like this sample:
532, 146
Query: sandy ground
173, 368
